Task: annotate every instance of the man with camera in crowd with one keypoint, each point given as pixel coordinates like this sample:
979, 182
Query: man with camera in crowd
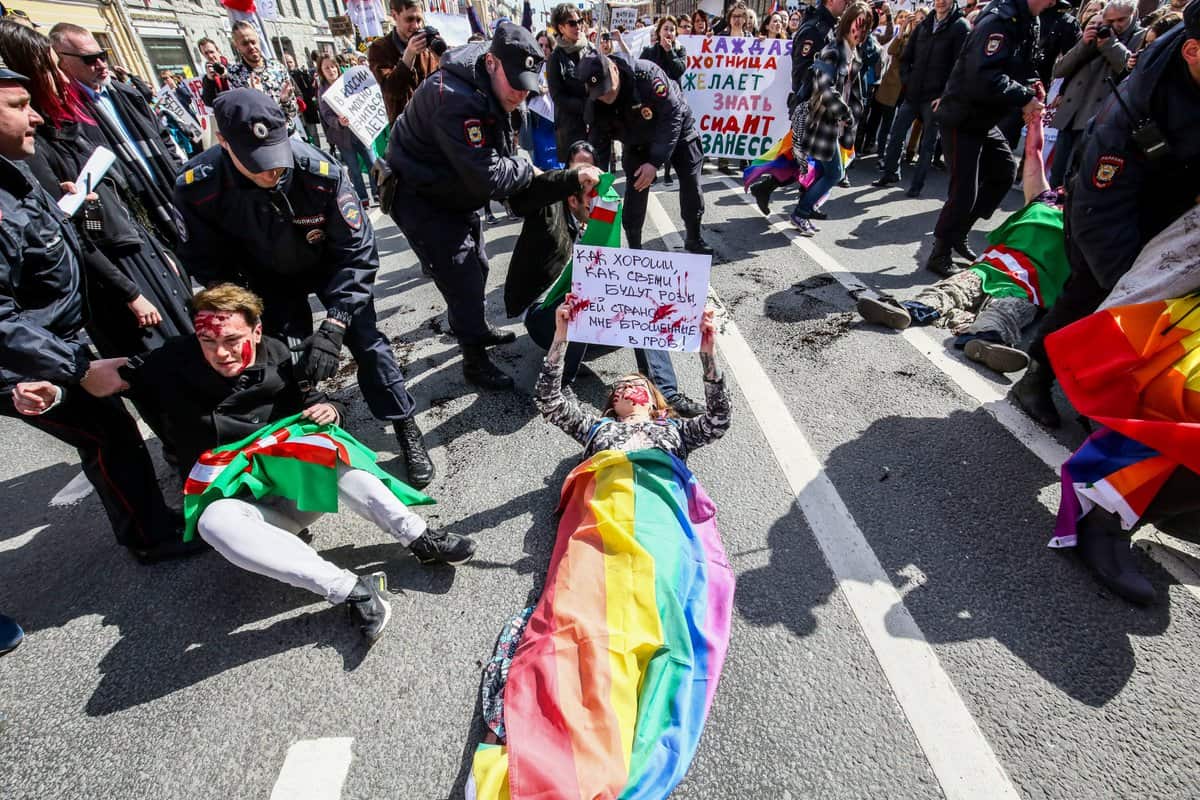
405, 57
216, 68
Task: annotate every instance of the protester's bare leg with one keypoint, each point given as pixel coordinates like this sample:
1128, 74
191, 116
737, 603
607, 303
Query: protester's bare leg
370, 499
261, 538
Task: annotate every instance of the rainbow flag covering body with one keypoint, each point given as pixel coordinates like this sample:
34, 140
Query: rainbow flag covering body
1135, 370
603, 230
293, 458
611, 683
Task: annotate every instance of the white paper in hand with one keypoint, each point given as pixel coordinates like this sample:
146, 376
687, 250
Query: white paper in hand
95, 168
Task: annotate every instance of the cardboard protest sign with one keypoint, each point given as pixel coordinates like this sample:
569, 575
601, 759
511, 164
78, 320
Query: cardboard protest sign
638, 298
737, 89
356, 96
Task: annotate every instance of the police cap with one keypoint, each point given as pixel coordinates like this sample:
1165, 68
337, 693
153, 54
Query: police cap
519, 54
594, 72
255, 127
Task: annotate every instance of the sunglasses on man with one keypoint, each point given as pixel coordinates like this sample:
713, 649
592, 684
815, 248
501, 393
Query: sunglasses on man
89, 58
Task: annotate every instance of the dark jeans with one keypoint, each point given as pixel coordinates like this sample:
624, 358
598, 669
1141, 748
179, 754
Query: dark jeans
354, 162
906, 114
687, 159
654, 364
874, 127
115, 459
982, 169
831, 173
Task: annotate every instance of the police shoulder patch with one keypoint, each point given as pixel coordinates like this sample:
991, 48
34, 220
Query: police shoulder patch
1107, 170
660, 87
350, 210
993, 44
473, 132
194, 174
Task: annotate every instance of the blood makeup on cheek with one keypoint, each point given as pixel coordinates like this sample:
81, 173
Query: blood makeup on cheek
247, 353
636, 395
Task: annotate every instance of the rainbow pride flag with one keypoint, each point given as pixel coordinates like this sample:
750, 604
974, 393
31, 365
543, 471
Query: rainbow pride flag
611, 683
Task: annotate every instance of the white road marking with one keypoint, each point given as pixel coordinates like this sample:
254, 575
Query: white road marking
314, 769
17, 542
957, 751
78, 488
995, 402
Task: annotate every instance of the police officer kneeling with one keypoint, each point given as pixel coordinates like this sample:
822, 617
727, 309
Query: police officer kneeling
275, 215
994, 75
452, 150
634, 101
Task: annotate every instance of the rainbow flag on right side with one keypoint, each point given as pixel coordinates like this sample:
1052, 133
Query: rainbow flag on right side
1135, 370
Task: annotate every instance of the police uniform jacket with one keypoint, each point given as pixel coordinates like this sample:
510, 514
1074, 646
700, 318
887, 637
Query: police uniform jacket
309, 234
1120, 199
929, 57
455, 145
813, 35
1060, 31
649, 112
202, 409
42, 293
992, 75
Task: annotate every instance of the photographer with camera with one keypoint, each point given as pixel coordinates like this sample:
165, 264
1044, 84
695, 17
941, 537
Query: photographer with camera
215, 78
405, 57
1139, 171
1107, 42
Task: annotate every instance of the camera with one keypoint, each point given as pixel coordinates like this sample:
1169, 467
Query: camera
434, 41
1103, 31
217, 68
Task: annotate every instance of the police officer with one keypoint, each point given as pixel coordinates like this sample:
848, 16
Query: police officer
634, 101
453, 150
1140, 170
994, 74
276, 215
43, 304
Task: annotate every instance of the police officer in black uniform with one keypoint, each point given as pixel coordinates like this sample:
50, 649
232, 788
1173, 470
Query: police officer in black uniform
43, 307
278, 216
634, 101
1140, 170
994, 74
452, 150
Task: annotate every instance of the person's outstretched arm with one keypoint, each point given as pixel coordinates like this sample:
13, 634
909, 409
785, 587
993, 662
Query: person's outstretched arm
712, 424
557, 408
1033, 180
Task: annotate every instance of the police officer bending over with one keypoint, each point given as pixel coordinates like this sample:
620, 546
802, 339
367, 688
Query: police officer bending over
1139, 172
277, 216
634, 101
994, 74
452, 150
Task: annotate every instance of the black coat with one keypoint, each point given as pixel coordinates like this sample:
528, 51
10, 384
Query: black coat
649, 111
569, 96
929, 57
1060, 32
993, 74
455, 145
547, 235
814, 35
673, 61
202, 409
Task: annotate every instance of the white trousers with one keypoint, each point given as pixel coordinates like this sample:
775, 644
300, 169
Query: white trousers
260, 535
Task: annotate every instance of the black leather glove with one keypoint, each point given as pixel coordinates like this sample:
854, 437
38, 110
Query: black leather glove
321, 351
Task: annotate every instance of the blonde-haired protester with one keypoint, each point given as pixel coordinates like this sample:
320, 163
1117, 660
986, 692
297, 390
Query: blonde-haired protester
262, 457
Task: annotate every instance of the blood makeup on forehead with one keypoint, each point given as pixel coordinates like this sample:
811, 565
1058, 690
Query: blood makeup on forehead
638, 395
211, 323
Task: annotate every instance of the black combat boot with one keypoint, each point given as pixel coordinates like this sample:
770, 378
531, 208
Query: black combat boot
479, 369
963, 249
416, 457
761, 189
940, 262
694, 243
1032, 394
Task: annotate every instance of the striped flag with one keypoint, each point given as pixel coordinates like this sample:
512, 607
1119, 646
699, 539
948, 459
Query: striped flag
603, 230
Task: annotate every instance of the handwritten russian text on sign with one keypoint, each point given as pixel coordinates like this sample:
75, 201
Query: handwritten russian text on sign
638, 298
623, 17
737, 89
356, 97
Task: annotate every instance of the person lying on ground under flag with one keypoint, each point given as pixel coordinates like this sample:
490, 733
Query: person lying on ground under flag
262, 456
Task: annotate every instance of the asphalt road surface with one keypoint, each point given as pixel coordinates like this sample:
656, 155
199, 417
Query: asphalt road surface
900, 629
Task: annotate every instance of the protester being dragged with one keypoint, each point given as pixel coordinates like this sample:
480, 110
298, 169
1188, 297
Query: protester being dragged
453, 151
43, 302
262, 456
1139, 171
216, 69
1130, 368
255, 71
405, 57
269, 212
350, 149
561, 208
1020, 274
1108, 41
648, 691
925, 66
130, 128
635, 102
671, 58
566, 90
831, 114
992, 76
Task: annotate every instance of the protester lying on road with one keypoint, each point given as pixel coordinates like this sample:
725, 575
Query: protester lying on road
638, 534
218, 389
1021, 273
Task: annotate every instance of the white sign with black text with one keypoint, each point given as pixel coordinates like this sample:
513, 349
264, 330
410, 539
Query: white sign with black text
356, 96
